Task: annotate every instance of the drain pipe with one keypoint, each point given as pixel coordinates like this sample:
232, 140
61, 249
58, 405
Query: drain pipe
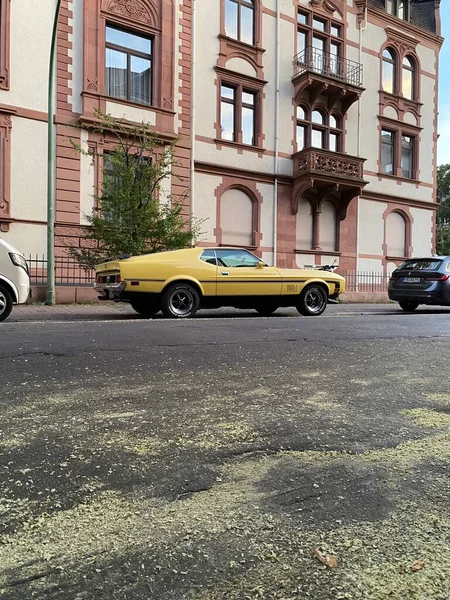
362, 28
192, 121
277, 136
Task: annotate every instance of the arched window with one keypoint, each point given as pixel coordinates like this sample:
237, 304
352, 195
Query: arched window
328, 227
408, 77
396, 235
318, 129
240, 20
388, 74
236, 218
305, 220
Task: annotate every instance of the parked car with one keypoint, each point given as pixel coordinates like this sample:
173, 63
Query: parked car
14, 279
421, 281
181, 281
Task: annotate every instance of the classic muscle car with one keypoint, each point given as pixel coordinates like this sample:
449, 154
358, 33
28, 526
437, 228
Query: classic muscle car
180, 282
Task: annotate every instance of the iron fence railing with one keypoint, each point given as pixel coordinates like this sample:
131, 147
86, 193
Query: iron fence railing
365, 281
328, 65
67, 271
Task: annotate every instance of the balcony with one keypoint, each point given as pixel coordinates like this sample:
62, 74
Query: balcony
318, 173
323, 73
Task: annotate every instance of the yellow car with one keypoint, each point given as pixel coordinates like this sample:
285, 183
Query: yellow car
180, 282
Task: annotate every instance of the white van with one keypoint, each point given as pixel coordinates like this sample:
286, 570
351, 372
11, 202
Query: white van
14, 279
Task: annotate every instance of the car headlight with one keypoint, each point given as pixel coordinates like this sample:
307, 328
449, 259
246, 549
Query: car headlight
18, 260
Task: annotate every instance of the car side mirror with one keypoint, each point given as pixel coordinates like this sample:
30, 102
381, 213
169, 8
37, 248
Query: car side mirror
260, 264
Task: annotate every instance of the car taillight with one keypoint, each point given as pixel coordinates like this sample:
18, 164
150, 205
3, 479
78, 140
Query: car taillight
395, 276
437, 278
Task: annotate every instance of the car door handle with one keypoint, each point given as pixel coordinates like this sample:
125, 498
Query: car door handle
224, 273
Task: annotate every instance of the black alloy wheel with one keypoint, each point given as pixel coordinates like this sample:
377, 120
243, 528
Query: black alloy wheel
180, 301
312, 301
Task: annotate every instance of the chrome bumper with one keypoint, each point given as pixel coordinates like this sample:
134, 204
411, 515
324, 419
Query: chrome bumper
110, 290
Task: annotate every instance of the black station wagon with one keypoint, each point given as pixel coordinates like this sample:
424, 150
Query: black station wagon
421, 281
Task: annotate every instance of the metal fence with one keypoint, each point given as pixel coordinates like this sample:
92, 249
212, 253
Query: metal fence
365, 281
67, 271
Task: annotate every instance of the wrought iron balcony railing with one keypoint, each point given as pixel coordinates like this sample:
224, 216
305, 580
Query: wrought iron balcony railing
328, 65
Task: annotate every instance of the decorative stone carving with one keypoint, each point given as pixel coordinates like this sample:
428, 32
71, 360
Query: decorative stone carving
92, 86
331, 163
139, 11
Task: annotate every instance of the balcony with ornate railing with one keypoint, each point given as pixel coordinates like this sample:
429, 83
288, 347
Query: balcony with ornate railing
319, 172
320, 72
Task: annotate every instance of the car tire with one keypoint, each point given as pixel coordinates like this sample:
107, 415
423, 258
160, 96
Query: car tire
6, 303
180, 301
145, 308
408, 305
312, 301
266, 310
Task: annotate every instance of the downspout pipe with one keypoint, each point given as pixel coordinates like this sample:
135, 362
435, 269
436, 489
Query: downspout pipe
51, 163
277, 134
362, 28
193, 121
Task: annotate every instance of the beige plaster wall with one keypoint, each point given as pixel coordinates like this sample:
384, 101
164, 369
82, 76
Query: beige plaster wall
371, 227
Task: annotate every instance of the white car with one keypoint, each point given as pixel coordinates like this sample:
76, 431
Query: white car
14, 279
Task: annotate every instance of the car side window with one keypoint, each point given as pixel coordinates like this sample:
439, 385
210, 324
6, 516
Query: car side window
237, 258
209, 256
448, 266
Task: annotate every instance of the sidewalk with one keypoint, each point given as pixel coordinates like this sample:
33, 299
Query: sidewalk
110, 311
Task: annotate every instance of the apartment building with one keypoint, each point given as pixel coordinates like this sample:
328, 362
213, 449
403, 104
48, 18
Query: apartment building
307, 129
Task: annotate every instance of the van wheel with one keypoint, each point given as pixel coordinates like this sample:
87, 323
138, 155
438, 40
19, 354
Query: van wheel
145, 308
408, 305
180, 301
6, 303
312, 301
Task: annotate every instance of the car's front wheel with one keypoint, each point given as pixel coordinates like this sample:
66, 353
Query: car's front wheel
408, 305
265, 310
312, 301
145, 308
6, 303
180, 301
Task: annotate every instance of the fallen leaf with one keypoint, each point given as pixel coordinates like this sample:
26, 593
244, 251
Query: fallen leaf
417, 565
327, 559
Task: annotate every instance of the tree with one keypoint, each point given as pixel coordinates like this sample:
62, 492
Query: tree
443, 213
128, 215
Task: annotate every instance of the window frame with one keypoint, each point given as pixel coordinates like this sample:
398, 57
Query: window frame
241, 84
326, 36
390, 61
400, 130
397, 7
412, 68
129, 54
399, 56
251, 4
5, 43
308, 126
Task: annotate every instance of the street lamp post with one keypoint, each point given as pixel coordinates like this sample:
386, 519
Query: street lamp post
51, 170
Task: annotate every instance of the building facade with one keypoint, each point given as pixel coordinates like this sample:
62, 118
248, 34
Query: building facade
306, 129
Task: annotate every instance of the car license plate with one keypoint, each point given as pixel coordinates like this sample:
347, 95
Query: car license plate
411, 279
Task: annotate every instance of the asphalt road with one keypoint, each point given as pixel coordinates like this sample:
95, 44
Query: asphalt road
228, 456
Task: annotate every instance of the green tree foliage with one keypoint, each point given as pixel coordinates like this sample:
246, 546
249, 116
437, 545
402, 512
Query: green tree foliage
129, 216
443, 213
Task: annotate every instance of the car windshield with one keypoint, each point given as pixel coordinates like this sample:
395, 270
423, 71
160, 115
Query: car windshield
421, 264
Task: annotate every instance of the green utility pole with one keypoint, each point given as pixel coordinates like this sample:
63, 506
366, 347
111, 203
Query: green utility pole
51, 171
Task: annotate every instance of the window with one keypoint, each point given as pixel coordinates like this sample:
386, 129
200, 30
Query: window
236, 218
408, 77
395, 235
407, 156
398, 154
319, 43
399, 8
388, 75
238, 114
387, 152
128, 66
318, 129
237, 258
239, 20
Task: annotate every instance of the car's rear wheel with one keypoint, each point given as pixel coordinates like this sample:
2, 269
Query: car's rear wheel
408, 305
312, 301
180, 301
6, 303
145, 308
265, 310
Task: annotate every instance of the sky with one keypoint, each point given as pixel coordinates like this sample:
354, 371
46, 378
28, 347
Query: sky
444, 88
